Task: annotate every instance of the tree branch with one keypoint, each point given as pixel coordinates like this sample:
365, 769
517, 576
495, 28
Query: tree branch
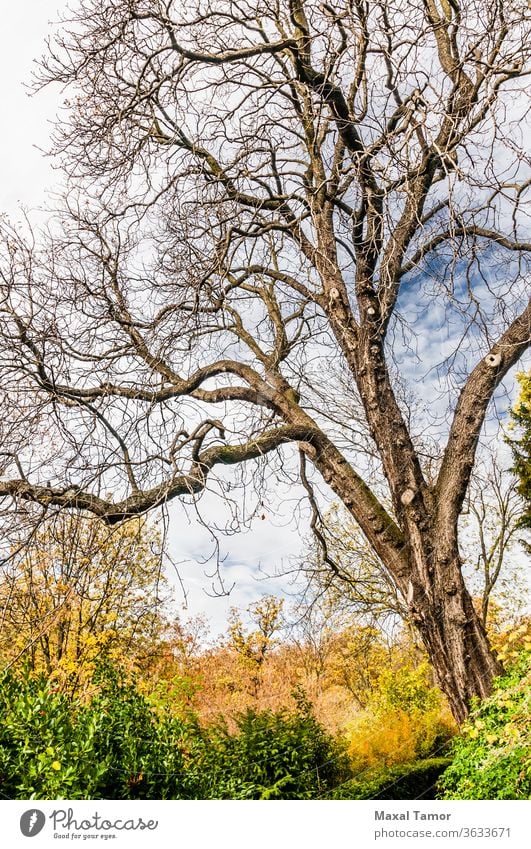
458, 459
191, 483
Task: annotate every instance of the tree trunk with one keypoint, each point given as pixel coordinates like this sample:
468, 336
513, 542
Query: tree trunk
454, 635
421, 555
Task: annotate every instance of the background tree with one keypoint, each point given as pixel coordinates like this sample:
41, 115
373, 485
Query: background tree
255, 188
489, 538
345, 578
521, 446
252, 647
79, 592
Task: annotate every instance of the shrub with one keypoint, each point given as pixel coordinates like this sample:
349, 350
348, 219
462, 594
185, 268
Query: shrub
274, 755
492, 755
144, 755
406, 720
53, 746
116, 745
44, 754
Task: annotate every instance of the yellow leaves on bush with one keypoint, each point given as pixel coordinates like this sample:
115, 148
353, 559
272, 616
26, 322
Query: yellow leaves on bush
384, 739
407, 718
509, 644
395, 736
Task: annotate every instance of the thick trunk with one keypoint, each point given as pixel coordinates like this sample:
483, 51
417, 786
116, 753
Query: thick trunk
423, 559
453, 635
419, 547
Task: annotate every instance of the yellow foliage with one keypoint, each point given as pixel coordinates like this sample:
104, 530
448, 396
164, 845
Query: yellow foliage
395, 736
509, 643
406, 717
79, 591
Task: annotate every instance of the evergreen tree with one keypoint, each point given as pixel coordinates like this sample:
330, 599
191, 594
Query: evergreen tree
521, 447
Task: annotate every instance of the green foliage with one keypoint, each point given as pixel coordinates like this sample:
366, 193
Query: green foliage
492, 756
143, 755
53, 746
521, 446
275, 756
404, 781
118, 746
44, 754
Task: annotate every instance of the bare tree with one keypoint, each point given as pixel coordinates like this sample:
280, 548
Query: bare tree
344, 574
254, 188
493, 512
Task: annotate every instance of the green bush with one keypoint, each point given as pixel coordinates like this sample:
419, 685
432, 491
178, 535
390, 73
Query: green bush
277, 755
144, 755
43, 752
52, 746
117, 746
492, 755
416, 780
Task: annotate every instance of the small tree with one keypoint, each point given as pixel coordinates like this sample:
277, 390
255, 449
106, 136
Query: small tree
81, 590
521, 446
252, 647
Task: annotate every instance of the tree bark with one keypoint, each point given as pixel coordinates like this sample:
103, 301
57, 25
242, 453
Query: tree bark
452, 631
425, 565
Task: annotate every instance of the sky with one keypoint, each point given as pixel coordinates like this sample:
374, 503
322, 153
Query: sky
24, 172
274, 542
25, 176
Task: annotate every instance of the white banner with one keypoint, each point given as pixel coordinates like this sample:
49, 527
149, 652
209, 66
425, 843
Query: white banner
266, 825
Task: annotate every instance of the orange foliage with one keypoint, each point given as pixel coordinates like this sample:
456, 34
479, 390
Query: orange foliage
379, 694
